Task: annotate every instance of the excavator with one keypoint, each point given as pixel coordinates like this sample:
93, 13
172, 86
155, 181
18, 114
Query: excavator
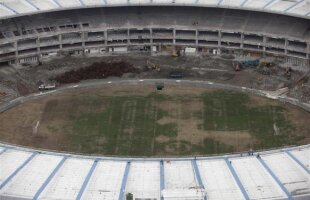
152, 66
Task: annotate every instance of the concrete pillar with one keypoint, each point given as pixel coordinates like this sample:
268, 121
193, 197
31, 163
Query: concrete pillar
151, 36
242, 44
105, 33
308, 50
196, 32
286, 46
151, 39
38, 49
219, 42
264, 45
174, 35
242, 41
60, 41
83, 40
16, 52
128, 36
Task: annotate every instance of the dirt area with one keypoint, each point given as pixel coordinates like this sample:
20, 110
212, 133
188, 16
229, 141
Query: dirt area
174, 125
21, 80
98, 70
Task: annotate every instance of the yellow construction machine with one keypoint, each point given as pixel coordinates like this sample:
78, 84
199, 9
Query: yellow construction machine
152, 66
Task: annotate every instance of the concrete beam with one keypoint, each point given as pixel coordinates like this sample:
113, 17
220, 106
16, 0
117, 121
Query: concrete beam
17, 170
294, 5
288, 194
57, 3
243, 3
269, 3
198, 177
124, 181
32, 5
49, 178
82, 3
162, 178
82, 189
233, 172
9, 8
297, 161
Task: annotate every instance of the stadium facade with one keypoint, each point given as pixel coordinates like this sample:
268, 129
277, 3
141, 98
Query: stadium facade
33, 29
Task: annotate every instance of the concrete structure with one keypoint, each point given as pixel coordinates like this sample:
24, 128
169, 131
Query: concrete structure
205, 29
33, 174
12, 8
37, 174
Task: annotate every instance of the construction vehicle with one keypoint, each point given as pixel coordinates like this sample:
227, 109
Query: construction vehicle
152, 66
239, 65
176, 75
176, 53
236, 66
249, 63
47, 86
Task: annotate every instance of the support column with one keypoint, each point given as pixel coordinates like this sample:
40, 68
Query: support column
105, 35
308, 50
60, 41
83, 39
242, 44
219, 42
242, 41
196, 42
128, 38
38, 49
286, 46
174, 35
264, 45
16, 52
151, 39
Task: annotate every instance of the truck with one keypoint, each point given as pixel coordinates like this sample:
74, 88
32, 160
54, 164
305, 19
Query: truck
238, 65
47, 86
176, 74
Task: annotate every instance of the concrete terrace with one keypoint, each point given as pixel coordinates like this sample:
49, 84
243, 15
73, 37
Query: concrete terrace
150, 28
33, 174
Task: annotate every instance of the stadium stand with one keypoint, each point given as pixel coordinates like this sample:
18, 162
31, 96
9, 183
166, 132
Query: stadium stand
34, 174
31, 37
32, 29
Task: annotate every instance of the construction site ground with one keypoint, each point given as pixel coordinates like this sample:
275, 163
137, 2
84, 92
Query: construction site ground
24, 79
58, 122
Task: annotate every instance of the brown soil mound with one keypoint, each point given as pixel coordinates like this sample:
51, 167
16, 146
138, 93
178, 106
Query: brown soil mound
97, 70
